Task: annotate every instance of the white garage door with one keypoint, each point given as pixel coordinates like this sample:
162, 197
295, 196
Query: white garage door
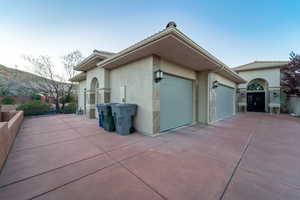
224, 102
176, 102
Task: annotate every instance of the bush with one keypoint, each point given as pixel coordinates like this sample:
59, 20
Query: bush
36, 97
70, 108
34, 108
67, 99
7, 101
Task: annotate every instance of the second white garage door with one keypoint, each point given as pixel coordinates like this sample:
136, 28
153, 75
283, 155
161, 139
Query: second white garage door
224, 102
176, 102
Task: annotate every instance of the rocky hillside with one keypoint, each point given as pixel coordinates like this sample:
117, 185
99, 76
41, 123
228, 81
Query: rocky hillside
17, 83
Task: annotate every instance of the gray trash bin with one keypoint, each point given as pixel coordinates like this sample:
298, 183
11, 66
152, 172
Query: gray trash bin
124, 114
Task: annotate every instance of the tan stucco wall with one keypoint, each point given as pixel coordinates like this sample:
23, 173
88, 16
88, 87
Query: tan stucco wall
80, 92
177, 70
224, 80
212, 76
272, 76
102, 76
137, 77
95, 73
202, 97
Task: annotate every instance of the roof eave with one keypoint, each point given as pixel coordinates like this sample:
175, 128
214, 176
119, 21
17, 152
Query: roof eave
157, 36
78, 77
100, 55
179, 36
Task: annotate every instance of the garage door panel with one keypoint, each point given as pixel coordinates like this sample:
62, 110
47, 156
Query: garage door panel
176, 103
224, 102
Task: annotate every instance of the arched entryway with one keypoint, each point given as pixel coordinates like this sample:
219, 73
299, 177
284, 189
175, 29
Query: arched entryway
257, 91
93, 97
93, 91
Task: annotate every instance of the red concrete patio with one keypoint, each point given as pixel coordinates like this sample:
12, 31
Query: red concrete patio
251, 156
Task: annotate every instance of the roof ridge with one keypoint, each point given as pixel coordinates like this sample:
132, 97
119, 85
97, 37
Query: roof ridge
267, 61
102, 51
258, 61
244, 65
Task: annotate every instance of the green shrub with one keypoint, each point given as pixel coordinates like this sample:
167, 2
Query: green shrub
67, 99
36, 97
7, 101
70, 108
34, 108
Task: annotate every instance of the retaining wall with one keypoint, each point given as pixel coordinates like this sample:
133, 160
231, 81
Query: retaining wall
8, 132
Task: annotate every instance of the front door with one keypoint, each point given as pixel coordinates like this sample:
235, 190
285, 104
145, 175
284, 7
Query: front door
256, 101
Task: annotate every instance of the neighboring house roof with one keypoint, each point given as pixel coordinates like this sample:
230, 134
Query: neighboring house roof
258, 65
91, 61
79, 77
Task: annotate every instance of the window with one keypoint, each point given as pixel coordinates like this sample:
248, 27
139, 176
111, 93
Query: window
255, 86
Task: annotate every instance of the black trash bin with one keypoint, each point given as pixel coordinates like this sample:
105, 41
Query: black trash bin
124, 114
108, 120
113, 110
100, 115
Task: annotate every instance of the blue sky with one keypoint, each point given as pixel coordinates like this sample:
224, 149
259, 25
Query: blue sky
236, 32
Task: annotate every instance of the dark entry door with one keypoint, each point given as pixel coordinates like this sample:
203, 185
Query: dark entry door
256, 101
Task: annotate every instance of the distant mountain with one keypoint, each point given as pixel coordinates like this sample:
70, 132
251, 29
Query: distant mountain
11, 73
17, 82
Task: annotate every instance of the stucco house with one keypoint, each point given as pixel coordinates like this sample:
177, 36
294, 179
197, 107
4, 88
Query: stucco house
173, 80
263, 91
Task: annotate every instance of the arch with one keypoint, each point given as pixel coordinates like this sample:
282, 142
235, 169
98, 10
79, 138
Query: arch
93, 90
258, 84
257, 95
94, 83
255, 87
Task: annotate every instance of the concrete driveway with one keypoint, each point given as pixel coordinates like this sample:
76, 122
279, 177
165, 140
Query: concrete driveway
251, 156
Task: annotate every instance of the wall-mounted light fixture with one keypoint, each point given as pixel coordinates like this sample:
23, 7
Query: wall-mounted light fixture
215, 84
275, 94
158, 75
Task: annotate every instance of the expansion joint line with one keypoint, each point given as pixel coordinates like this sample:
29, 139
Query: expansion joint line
239, 162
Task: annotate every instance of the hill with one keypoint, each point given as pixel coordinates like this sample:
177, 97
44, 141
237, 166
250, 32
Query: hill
16, 82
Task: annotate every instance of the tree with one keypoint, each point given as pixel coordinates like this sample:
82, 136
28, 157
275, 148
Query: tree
49, 82
69, 61
291, 75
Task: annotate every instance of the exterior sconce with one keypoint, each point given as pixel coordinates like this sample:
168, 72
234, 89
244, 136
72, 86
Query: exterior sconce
215, 84
158, 75
243, 94
275, 94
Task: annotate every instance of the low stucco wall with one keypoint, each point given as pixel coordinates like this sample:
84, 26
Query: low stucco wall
6, 116
7, 108
294, 105
8, 132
